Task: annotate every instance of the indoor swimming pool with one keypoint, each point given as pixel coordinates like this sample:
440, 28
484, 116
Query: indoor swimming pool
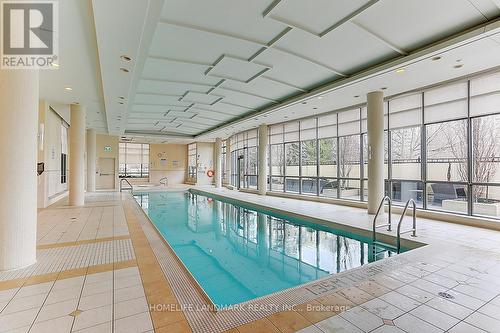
237, 253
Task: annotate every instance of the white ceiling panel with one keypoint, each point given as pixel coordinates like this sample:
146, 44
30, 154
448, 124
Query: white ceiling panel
169, 87
315, 16
159, 100
347, 49
201, 98
158, 109
411, 24
259, 87
235, 16
196, 45
293, 70
236, 69
175, 71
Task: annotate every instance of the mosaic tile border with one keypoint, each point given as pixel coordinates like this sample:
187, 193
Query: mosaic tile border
198, 312
72, 257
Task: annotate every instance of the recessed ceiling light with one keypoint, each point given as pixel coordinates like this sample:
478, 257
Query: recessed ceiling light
304, 102
56, 65
383, 88
320, 97
459, 60
124, 70
125, 58
400, 70
458, 66
121, 97
357, 96
315, 108
436, 58
68, 88
120, 103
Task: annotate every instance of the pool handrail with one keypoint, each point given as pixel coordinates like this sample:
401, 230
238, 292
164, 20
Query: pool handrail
389, 222
131, 188
413, 230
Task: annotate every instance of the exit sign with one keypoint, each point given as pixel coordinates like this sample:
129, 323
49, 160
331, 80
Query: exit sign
107, 148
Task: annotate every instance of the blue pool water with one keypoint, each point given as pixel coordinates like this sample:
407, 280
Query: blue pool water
237, 253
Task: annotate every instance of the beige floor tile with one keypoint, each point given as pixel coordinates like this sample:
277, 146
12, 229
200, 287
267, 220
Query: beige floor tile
97, 288
17, 319
93, 317
288, 321
415, 293
382, 309
362, 318
337, 324
56, 296
463, 327
258, 326
435, 317
412, 324
140, 322
130, 307
450, 308
56, 310
74, 282
96, 300
106, 327
484, 322
125, 294
58, 325
24, 303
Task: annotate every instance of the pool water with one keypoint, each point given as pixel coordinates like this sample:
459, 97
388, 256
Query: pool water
237, 253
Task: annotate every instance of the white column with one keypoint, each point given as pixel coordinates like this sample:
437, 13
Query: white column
218, 162
19, 94
228, 161
375, 150
263, 147
77, 156
91, 155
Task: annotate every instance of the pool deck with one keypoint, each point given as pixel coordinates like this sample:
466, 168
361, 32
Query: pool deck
103, 267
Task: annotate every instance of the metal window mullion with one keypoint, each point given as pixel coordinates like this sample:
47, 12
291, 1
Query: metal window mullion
470, 208
423, 155
317, 158
300, 162
338, 159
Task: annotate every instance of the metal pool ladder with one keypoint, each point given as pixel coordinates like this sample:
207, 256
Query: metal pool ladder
125, 188
414, 227
389, 222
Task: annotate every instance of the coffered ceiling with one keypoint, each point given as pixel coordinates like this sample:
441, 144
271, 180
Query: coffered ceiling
208, 68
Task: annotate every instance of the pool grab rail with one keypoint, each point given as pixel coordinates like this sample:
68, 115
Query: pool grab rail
130, 187
413, 230
164, 181
389, 222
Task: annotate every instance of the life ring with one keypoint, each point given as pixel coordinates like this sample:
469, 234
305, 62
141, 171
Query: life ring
210, 173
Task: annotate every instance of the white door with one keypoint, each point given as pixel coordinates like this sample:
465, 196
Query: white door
106, 175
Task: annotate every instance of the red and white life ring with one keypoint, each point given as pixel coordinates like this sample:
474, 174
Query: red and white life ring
210, 173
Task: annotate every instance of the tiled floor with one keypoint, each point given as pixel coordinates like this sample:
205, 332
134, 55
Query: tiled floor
102, 268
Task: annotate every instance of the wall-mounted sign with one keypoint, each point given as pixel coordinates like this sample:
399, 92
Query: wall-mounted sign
107, 148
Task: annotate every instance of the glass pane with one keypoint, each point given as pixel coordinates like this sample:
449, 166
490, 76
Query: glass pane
309, 158
292, 131
251, 182
327, 126
402, 191
349, 122
406, 153
405, 111
277, 184
277, 161
309, 185
350, 189
485, 95
308, 129
276, 134
328, 187
349, 156
292, 185
252, 161
486, 149
446, 103
328, 157
292, 159
447, 197
486, 201
447, 151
